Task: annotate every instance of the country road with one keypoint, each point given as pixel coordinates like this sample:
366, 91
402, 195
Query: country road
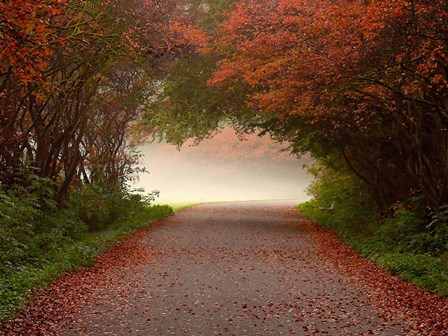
220, 269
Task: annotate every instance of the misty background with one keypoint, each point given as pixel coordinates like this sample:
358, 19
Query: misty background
223, 168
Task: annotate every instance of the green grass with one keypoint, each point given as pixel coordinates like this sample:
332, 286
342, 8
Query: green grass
17, 281
395, 245
180, 206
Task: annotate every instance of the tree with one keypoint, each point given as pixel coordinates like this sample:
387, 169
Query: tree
368, 77
59, 83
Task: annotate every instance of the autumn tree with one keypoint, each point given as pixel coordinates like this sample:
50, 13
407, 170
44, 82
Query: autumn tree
25, 40
369, 78
52, 98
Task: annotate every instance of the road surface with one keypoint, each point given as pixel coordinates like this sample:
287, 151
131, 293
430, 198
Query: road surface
253, 268
232, 269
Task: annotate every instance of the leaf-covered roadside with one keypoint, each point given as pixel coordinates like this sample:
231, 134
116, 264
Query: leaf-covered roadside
425, 313
40, 242
68, 292
401, 243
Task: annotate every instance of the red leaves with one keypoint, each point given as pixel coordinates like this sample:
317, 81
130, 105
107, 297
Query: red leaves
30, 30
302, 46
425, 313
159, 28
253, 268
26, 36
53, 308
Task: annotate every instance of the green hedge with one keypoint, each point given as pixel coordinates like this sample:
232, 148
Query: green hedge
39, 241
403, 243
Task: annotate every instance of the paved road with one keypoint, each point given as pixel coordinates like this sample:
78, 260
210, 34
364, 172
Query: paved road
230, 269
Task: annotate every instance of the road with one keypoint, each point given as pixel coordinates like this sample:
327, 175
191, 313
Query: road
231, 269
250, 268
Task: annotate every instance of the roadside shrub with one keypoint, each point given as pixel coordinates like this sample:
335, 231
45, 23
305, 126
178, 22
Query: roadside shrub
39, 241
31, 227
92, 205
410, 229
411, 243
98, 207
341, 202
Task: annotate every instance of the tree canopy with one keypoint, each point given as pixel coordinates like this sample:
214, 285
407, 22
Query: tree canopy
73, 78
363, 83
358, 84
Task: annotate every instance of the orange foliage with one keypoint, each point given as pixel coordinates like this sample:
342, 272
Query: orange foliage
25, 35
368, 78
68, 67
296, 52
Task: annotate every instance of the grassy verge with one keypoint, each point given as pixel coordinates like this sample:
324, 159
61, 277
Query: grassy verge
398, 245
180, 206
71, 251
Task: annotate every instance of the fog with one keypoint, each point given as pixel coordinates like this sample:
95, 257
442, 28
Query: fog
223, 169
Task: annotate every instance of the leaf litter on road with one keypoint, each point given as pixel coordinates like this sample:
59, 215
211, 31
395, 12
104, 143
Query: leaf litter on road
232, 269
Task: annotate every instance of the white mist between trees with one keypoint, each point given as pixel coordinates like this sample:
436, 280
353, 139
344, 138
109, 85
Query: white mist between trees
223, 169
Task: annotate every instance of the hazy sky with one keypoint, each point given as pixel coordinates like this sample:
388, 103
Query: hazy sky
223, 169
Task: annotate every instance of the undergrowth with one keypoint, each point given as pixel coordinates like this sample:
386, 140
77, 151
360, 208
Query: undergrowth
39, 241
401, 243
